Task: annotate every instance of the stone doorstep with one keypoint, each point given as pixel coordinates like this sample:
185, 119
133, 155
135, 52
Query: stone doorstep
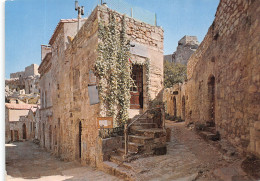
140, 139
211, 129
208, 135
118, 171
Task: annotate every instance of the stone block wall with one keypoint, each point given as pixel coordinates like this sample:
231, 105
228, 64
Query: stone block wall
149, 40
175, 99
72, 61
229, 55
29, 71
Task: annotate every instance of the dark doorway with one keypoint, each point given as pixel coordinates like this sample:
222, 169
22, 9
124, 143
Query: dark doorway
50, 137
183, 107
174, 107
136, 101
80, 134
12, 136
43, 134
211, 93
16, 135
24, 131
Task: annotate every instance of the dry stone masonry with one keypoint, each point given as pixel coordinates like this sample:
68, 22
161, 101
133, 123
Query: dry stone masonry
68, 126
223, 88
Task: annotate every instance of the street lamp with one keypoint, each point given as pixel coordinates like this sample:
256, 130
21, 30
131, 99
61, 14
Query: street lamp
80, 10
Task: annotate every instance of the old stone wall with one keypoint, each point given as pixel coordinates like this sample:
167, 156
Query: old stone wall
175, 99
224, 75
69, 69
148, 44
7, 127
44, 50
29, 70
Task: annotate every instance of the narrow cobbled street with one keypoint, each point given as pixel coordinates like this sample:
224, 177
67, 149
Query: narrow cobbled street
189, 157
26, 161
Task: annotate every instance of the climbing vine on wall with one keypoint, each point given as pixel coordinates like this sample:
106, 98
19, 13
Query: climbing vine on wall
114, 70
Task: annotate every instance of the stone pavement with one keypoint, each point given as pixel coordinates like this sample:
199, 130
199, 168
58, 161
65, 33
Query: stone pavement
188, 157
26, 161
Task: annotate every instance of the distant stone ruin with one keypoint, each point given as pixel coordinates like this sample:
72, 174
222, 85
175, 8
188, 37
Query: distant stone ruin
24, 85
186, 47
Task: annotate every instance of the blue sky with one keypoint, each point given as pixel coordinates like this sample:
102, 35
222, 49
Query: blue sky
30, 23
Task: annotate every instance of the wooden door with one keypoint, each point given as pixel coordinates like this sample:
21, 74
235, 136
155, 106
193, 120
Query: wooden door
136, 101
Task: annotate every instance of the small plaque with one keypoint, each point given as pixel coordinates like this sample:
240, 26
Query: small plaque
107, 122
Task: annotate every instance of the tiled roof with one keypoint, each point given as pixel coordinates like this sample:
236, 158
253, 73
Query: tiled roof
20, 106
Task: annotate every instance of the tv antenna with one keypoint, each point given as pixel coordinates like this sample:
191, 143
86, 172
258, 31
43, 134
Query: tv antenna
80, 10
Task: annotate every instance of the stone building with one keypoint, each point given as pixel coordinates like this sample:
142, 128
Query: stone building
69, 117
23, 85
223, 88
175, 100
186, 47
19, 126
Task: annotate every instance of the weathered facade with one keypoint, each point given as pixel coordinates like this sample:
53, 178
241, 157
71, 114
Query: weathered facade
21, 121
24, 85
71, 128
223, 86
175, 100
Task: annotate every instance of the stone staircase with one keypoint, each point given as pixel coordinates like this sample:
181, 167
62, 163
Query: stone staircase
209, 133
145, 139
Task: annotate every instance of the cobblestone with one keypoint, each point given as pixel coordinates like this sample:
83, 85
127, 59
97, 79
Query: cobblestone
26, 161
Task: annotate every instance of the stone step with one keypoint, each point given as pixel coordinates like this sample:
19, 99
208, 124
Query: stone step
118, 171
209, 136
135, 147
121, 152
138, 126
116, 159
211, 129
142, 120
140, 139
152, 133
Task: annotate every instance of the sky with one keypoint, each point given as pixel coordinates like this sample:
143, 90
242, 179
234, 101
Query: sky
31, 23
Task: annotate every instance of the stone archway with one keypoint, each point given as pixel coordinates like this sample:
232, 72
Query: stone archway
183, 107
43, 134
211, 98
50, 137
80, 139
24, 131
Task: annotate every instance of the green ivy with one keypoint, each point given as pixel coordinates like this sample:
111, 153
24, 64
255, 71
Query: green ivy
114, 70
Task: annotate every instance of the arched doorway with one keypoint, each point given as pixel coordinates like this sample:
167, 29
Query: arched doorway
174, 107
24, 131
211, 95
50, 137
183, 107
80, 134
43, 134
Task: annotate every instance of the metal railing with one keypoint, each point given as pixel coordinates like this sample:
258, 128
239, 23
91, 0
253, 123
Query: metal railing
137, 13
